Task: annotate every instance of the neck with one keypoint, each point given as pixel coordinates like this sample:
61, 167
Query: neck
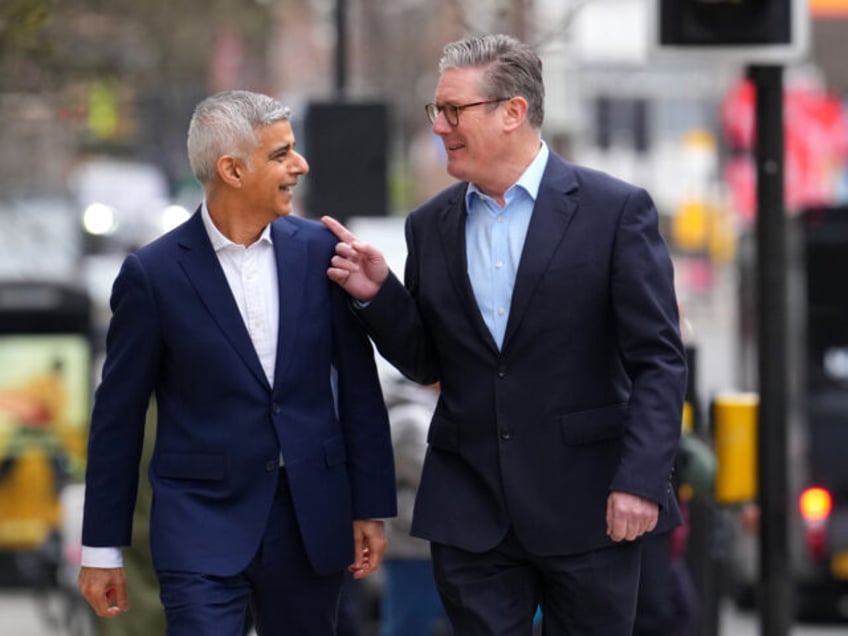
229, 218
512, 167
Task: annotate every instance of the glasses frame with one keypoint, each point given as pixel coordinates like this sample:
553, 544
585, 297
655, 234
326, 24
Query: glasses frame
452, 111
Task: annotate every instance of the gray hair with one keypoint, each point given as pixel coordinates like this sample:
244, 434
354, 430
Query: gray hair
512, 69
225, 124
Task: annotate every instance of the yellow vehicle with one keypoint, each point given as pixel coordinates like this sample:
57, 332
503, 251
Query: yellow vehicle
45, 387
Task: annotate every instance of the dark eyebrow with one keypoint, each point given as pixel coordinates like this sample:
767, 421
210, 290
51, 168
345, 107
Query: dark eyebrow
280, 151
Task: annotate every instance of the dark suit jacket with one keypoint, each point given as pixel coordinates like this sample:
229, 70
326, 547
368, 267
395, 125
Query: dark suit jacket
586, 394
176, 331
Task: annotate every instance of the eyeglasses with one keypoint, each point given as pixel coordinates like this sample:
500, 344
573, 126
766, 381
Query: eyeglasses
452, 112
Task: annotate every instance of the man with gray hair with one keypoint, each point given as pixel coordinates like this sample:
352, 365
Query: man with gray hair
540, 295
273, 460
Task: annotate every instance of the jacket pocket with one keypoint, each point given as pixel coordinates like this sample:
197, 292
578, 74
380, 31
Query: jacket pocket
443, 434
594, 425
207, 467
334, 451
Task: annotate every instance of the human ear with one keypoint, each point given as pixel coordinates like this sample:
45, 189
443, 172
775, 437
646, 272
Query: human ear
229, 170
515, 111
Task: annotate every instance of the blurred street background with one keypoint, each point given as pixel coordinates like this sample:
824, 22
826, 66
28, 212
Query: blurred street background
95, 99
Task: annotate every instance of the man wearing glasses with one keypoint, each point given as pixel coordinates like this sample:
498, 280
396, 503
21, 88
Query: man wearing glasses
540, 295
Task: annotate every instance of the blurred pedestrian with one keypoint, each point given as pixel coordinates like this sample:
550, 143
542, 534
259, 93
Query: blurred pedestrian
410, 604
668, 599
273, 459
540, 295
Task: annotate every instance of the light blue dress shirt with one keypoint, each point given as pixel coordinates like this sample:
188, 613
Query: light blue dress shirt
494, 240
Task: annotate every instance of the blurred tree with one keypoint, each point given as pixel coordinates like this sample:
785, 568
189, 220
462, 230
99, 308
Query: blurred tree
143, 65
21, 21
22, 24
122, 76
155, 38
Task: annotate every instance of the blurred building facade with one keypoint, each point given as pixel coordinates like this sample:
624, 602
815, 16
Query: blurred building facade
86, 84
120, 79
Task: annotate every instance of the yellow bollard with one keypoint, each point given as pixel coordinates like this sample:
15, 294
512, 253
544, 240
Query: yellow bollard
735, 428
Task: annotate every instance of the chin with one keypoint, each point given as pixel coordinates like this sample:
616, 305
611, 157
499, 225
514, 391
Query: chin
456, 172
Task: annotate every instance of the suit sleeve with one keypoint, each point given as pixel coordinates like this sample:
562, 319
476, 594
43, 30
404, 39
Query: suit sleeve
121, 400
393, 320
362, 413
647, 329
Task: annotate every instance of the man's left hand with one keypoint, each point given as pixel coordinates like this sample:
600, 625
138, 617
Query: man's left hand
630, 516
370, 543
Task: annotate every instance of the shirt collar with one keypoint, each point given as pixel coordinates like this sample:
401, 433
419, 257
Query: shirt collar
219, 241
529, 181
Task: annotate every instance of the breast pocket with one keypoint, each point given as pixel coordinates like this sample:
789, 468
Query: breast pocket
568, 294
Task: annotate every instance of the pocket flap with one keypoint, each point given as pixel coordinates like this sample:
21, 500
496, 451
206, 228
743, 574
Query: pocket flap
190, 466
594, 425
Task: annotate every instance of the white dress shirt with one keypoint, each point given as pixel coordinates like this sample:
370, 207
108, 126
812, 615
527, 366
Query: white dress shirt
252, 276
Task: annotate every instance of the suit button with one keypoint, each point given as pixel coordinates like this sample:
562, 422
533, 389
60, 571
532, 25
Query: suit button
270, 466
501, 372
276, 408
505, 435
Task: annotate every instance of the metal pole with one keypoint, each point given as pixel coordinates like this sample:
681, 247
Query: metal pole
341, 49
775, 590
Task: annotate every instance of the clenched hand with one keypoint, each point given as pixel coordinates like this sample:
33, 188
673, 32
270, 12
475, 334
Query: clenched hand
630, 516
370, 544
105, 589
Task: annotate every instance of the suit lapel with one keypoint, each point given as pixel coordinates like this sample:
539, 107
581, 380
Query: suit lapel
290, 253
452, 228
555, 206
201, 265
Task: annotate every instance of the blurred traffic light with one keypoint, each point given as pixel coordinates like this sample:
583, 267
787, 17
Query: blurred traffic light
725, 22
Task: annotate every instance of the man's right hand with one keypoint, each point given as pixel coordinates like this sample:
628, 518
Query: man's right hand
357, 267
105, 589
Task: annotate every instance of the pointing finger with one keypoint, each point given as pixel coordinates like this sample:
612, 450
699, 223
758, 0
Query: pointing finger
341, 232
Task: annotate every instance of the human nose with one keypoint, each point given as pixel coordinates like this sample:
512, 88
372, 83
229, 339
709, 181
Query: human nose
301, 166
440, 124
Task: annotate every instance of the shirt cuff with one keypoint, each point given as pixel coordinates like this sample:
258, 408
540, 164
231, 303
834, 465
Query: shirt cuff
101, 557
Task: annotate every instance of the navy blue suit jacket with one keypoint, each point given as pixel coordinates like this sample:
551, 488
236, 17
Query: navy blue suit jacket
586, 394
176, 332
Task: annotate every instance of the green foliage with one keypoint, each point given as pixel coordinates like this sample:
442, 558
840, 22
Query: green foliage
22, 23
45, 44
